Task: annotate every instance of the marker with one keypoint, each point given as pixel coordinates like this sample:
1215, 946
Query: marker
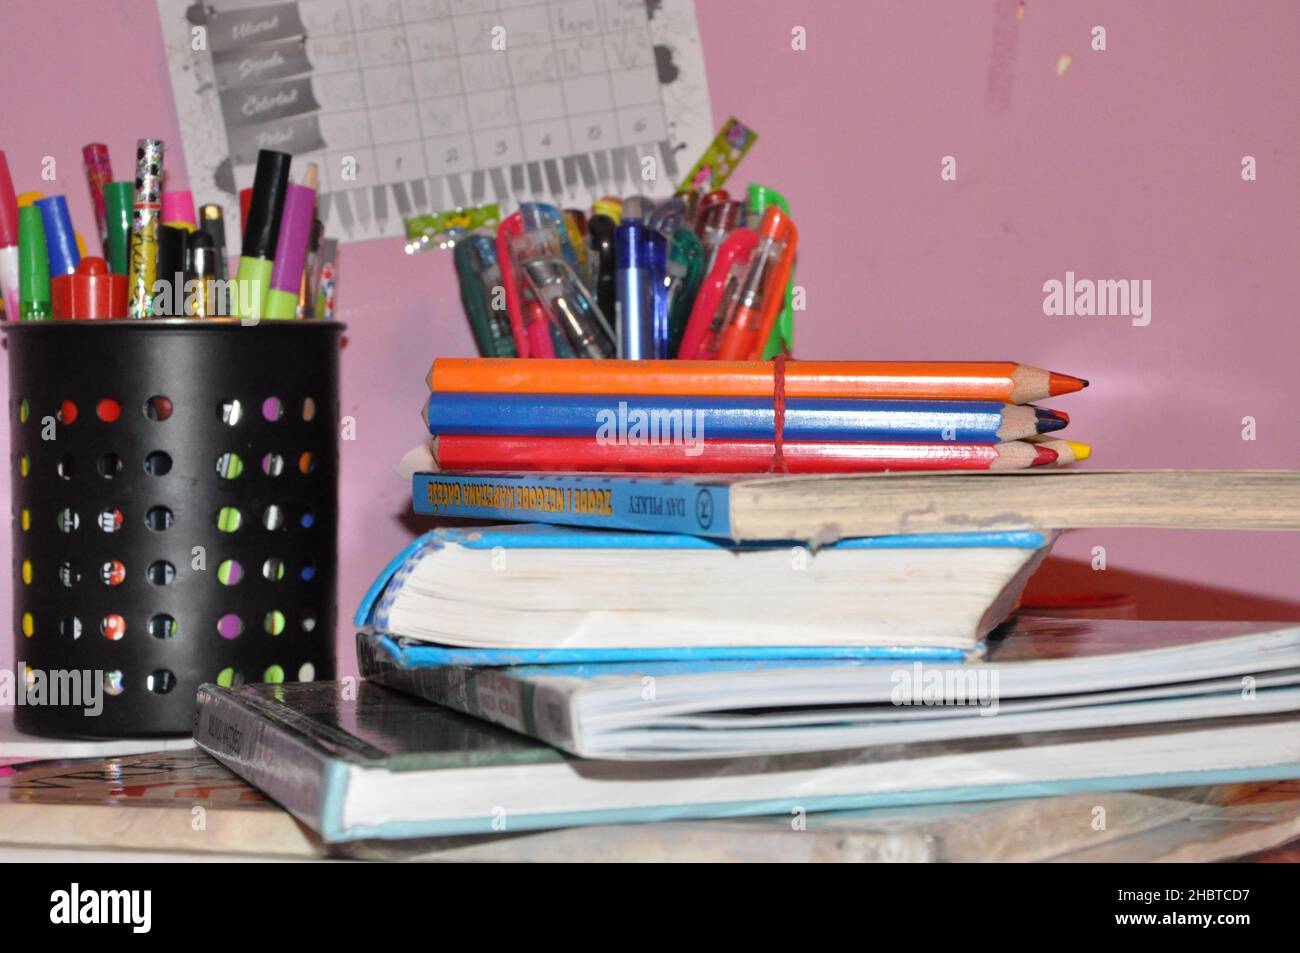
635, 292
201, 266
99, 172
212, 222
291, 252
8, 241
178, 210
171, 271
142, 268
33, 267
261, 233
92, 294
118, 198
60, 239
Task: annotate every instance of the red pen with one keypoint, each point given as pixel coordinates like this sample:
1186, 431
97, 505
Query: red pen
708, 313
759, 299
511, 227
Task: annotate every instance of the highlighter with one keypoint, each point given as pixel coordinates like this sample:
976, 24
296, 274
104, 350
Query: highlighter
60, 239
634, 293
33, 267
291, 252
178, 210
261, 233
8, 241
118, 197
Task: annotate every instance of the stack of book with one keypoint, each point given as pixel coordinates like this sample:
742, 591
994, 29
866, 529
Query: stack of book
777, 643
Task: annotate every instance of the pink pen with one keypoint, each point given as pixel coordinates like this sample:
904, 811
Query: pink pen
8, 240
512, 226
99, 172
736, 249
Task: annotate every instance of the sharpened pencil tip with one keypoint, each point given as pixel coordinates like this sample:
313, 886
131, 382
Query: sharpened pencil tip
1049, 420
1059, 384
1081, 451
1043, 456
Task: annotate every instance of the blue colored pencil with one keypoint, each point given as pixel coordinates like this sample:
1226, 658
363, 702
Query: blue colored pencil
739, 418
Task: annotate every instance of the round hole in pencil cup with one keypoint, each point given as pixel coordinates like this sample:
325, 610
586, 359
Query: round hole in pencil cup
306, 672
24, 464
158, 519
29, 625
68, 574
158, 408
25, 520
109, 465
308, 409
308, 572
68, 521
306, 463
114, 683
67, 413
231, 412
158, 463
112, 573
229, 572
25, 411
228, 519
274, 675
161, 573
273, 570
160, 682
273, 622
108, 410
162, 626
67, 466
229, 678
112, 627
307, 518
309, 622
273, 517
110, 519
272, 409
273, 464
27, 572
70, 627
230, 626
229, 466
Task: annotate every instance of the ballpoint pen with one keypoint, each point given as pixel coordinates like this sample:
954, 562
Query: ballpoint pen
511, 227
634, 291
709, 311
762, 291
568, 306
479, 275
718, 220
782, 336
600, 263
657, 257
685, 271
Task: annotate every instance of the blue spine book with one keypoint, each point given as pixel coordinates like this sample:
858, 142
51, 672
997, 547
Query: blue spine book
734, 418
699, 507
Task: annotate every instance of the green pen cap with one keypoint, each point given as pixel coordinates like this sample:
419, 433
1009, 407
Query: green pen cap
760, 197
118, 199
33, 266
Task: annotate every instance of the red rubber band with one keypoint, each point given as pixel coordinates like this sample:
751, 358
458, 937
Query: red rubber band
778, 411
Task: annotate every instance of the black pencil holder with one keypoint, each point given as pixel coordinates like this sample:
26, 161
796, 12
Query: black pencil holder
175, 513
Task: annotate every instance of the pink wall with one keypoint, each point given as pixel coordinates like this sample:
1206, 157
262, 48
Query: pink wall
1127, 166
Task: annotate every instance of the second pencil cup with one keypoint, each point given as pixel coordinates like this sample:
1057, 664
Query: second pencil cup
174, 516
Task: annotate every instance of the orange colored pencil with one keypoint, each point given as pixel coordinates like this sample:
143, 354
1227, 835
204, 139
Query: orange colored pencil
943, 380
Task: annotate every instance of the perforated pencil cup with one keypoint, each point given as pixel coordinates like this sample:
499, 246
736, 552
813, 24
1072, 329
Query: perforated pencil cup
174, 512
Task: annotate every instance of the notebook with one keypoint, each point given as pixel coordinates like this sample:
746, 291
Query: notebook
539, 588
1038, 674
378, 763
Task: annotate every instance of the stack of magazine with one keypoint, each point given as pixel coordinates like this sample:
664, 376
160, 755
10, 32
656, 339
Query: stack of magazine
529, 675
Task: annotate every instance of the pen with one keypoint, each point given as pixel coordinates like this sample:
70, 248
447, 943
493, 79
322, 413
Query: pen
170, 274
685, 270
261, 233
33, 266
99, 172
634, 292
291, 248
9, 268
657, 257
478, 274
512, 226
142, 265
782, 336
60, 239
212, 222
202, 268
118, 198
760, 293
568, 304
709, 310
600, 263
718, 220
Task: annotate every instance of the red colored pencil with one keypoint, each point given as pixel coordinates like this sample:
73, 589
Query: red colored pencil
585, 454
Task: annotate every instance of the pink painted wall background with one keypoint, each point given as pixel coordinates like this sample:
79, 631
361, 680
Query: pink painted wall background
1126, 166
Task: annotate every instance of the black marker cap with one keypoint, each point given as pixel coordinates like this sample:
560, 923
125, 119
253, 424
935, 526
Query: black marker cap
202, 256
270, 184
171, 259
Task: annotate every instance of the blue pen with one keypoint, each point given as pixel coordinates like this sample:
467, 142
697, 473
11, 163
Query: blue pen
634, 288
657, 253
60, 239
